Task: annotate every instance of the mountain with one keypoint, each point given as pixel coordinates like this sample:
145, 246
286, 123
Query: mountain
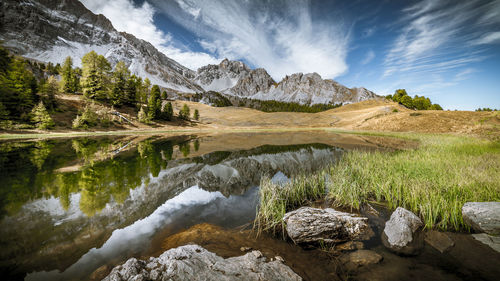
234, 78
48, 30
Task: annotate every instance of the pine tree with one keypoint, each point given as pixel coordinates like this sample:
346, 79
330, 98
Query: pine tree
119, 79
68, 84
196, 115
142, 116
49, 90
41, 117
154, 103
168, 112
184, 112
95, 76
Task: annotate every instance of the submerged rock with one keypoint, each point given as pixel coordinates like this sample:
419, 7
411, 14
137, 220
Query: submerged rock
482, 216
360, 258
492, 241
439, 240
400, 232
306, 225
350, 246
192, 262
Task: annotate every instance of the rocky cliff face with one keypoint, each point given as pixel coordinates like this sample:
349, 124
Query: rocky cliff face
234, 78
52, 30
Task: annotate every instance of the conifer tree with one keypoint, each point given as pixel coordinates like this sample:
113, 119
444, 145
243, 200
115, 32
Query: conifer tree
154, 103
196, 115
95, 76
68, 78
119, 79
184, 112
168, 112
49, 90
41, 117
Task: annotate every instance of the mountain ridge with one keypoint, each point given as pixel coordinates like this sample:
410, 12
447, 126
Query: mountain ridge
49, 31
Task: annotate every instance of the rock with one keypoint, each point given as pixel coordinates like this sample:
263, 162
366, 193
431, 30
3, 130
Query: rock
192, 262
400, 232
280, 259
306, 225
360, 258
492, 241
483, 216
439, 240
349, 246
99, 273
245, 249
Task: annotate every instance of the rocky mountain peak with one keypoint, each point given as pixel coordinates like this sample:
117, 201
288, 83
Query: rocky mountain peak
50, 31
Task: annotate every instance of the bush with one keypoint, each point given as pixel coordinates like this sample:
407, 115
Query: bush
91, 116
143, 117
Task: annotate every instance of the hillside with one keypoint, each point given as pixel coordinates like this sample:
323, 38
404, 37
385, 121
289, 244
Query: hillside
371, 115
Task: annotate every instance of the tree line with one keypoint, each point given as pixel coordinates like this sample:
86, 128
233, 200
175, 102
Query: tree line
29, 89
417, 102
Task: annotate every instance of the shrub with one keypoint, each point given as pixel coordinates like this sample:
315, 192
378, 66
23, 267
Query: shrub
196, 115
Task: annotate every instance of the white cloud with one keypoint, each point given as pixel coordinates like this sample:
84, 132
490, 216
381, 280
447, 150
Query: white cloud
439, 35
370, 55
280, 36
138, 21
490, 38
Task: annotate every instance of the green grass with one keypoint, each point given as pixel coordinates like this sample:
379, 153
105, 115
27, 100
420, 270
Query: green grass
276, 200
434, 180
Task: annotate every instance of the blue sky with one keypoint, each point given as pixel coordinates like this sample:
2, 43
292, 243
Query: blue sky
446, 50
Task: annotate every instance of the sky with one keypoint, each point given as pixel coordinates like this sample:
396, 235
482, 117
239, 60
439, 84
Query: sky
448, 51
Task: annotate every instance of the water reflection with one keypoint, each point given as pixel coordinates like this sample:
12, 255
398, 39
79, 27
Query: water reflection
70, 206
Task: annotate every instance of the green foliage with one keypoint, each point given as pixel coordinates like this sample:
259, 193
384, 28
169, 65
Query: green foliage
278, 106
184, 112
88, 118
417, 102
143, 116
95, 76
48, 91
486, 109
196, 115
167, 112
18, 87
395, 110
41, 117
69, 79
277, 199
154, 103
435, 107
407, 101
120, 77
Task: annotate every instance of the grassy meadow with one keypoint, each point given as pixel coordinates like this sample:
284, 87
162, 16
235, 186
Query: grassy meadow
433, 180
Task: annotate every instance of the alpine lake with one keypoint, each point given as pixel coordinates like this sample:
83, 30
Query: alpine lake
73, 208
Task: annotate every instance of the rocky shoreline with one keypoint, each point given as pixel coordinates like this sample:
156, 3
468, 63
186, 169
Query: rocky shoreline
402, 236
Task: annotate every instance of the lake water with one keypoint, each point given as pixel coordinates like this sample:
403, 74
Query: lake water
70, 206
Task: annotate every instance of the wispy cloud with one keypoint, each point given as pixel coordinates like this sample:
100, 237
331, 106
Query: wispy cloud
439, 35
138, 20
370, 55
281, 36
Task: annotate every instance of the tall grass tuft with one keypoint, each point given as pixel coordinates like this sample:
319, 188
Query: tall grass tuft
277, 199
434, 180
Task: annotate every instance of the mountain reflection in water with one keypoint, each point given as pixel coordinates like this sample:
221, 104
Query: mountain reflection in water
71, 206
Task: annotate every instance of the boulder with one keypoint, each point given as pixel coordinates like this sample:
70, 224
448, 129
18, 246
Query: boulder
482, 216
439, 240
306, 225
360, 258
492, 241
400, 232
192, 262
